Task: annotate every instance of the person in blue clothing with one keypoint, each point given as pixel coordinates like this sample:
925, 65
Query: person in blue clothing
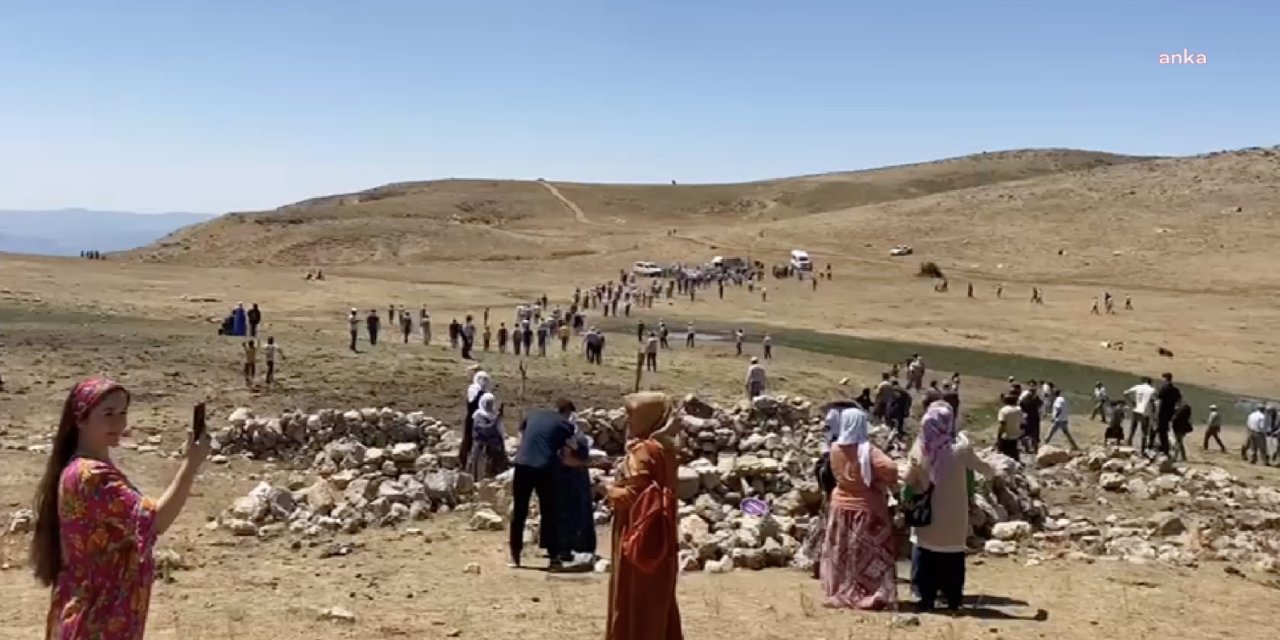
544, 436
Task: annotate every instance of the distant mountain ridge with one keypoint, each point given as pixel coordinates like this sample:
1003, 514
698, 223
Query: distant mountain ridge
67, 232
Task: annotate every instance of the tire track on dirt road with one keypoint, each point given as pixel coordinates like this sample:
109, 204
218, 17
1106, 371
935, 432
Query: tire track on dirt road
577, 211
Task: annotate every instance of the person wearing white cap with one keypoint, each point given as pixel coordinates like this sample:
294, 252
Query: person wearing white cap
755, 379
353, 320
1212, 428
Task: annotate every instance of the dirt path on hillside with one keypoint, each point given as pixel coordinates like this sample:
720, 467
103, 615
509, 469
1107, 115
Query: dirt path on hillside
577, 211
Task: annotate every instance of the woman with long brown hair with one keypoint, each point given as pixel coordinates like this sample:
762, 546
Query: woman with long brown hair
642, 586
94, 530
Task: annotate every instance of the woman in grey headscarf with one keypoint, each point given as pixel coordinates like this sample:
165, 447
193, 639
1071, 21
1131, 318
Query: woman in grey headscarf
488, 456
481, 384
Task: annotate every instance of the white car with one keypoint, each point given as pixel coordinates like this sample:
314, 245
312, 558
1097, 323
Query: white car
901, 250
646, 269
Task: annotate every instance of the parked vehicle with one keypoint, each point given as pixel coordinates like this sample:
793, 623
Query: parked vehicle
800, 260
647, 269
901, 250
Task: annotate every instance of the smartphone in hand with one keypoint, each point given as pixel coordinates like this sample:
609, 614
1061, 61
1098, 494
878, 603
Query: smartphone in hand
198, 422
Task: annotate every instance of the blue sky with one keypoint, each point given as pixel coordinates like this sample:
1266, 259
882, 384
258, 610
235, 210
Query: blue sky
237, 104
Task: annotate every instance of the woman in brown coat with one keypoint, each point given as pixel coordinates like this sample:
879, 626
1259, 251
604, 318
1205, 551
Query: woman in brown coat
642, 586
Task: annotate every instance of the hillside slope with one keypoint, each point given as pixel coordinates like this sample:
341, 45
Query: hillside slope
1191, 224
515, 220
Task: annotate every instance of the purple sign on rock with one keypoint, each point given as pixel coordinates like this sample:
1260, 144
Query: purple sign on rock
755, 507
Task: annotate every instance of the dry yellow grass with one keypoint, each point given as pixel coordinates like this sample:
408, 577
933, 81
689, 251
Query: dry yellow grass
461, 246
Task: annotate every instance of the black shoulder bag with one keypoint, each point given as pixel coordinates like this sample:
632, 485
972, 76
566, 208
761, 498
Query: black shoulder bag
919, 512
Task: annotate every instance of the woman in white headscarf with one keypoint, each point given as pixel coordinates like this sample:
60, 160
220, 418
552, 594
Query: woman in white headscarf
811, 550
481, 384
488, 450
858, 559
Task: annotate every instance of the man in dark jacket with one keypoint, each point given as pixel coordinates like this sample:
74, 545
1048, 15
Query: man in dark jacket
1169, 397
255, 318
373, 322
543, 436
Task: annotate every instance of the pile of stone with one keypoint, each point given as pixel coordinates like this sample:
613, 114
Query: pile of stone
355, 487
1176, 514
296, 435
383, 467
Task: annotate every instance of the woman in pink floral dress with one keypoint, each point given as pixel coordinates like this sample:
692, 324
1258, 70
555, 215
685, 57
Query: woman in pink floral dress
94, 530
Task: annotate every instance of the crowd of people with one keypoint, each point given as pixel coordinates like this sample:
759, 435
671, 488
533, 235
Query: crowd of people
95, 531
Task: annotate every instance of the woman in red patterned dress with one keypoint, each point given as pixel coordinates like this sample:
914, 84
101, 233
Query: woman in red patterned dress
858, 560
94, 530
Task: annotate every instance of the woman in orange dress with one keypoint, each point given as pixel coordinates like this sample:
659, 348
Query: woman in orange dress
642, 587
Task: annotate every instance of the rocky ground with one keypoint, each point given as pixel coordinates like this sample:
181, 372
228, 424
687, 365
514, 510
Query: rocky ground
1100, 557
357, 469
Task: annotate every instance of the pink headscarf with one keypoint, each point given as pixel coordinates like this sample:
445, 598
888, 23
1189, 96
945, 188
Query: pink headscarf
937, 428
91, 391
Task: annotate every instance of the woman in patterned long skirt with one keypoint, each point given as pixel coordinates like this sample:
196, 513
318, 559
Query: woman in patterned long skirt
858, 559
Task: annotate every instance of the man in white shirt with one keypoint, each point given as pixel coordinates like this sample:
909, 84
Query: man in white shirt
1257, 443
1100, 401
1142, 394
272, 351
1061, 419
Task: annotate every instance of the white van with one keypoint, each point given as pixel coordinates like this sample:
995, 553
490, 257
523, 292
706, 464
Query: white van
646, 269
800, 260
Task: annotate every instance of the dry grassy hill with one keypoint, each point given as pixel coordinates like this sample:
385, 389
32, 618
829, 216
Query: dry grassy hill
1205, 223
503, 220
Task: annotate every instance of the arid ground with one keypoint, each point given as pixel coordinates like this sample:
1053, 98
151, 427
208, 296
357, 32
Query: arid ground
1191, 240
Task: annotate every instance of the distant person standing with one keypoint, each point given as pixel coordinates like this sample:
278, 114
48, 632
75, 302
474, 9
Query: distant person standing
526, 335
1181, 426
1009, 427
424, 322
756, 379
250, 362
651, 353
767, 343
255, 318
1256, 445
1142, 394
406, 325
689, 335
353, 321
374, 323
468, 338
502, 337
563, 332
1169, 397
737, 341
271, 351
